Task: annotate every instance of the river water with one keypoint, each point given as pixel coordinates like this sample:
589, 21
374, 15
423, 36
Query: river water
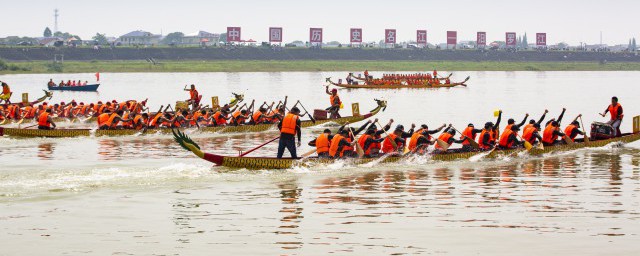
146, 196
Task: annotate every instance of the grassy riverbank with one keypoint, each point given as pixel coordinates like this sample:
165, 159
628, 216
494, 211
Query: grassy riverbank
38, 67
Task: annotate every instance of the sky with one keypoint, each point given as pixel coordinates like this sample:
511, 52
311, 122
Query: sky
569, 21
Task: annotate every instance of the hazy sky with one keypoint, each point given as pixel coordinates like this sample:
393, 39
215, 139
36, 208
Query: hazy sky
570, 21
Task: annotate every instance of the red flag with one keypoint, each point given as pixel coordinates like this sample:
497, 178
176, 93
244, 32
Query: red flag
98, 76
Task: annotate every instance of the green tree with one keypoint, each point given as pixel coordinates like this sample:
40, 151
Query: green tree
47, 32
633, 45
65, 35
173, 38
101, 39
525, 43
223, 37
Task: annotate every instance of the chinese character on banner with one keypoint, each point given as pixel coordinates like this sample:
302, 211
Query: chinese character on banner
233, 34
481, 39
275, 35
541, 39
389, 36
421, 37
356, 35
511, 39
452, 37
315, 35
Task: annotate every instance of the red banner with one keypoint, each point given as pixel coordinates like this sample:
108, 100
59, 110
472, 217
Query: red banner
421, 37
452, 37
481, 39
389, 36
541, 39
234, 34
510, 39
275, 35
356, 35
315, 35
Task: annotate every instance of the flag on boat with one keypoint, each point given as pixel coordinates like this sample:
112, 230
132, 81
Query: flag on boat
98, 76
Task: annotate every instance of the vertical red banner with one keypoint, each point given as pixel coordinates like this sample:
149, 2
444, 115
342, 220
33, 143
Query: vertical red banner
234, 34
510, 39
355, 35
421, 37
541, 39
275, 35
315, 35
481, 39
389, 36
452, 37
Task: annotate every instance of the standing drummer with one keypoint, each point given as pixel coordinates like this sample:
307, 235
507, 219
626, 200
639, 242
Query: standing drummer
615, 109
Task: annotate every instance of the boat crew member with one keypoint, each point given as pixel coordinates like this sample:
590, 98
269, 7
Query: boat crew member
289, 127
422, 138
552, 130
45, 122
6, 93
399, 136
615, 109
140, 121
51, 83
339, 144
322, 143
532, 134
509, 138
335, 103
368, 142
103, 118
470, 132
448, 137
194, 97
376, 147
115, 119
511, 122
573, 130
488, 135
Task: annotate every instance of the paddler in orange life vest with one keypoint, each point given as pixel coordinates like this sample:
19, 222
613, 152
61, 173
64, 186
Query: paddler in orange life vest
552, 131
45, 122
340, 144
375, 146
532, 122
322, 144
399, 136
509, 138
290, 127
531, 134
335, 103
470, 132
194, 96
349, 150
573, 130
422, 138
615, 109
488, 135
368, 142
511, 122
448, 136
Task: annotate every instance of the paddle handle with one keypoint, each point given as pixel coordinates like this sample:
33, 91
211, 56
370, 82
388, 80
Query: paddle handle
258, 147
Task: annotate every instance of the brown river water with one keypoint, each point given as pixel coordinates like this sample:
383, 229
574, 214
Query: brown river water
143, 195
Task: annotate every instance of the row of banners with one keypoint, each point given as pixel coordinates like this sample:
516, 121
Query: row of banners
234, 34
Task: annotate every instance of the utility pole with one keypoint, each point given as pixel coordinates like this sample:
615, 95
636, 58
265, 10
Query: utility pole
55, 25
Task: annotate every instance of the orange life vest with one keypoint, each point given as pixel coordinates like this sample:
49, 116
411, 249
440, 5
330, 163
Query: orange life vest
137, 122
569, 130
127, 124
322, 143
335, 98
111, 122
548, 134
154, 121
43, 120
614, 111
413, 142
504, 139
528, 134
193, 94
103, 119
6, 90
333, 148
289, 124
468, 132
482, 134
361, 142
444, 137
257, 117
387, 146
238, 118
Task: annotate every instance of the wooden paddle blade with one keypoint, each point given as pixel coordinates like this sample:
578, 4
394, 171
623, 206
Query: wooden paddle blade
359, 150
309, 153
445, 146
313, 120
586, 138
527, 145
20, 122
567, 140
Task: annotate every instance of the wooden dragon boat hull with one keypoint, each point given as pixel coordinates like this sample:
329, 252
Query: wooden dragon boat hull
63, 133
395, 86
258, 163
47, 94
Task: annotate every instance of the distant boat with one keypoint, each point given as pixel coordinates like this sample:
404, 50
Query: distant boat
81, 88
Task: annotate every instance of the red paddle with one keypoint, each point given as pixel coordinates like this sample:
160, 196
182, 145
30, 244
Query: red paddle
258, 147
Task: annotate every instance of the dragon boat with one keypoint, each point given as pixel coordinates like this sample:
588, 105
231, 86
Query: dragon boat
79, 88
367, 85
17, 132
259, 163
47, 95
